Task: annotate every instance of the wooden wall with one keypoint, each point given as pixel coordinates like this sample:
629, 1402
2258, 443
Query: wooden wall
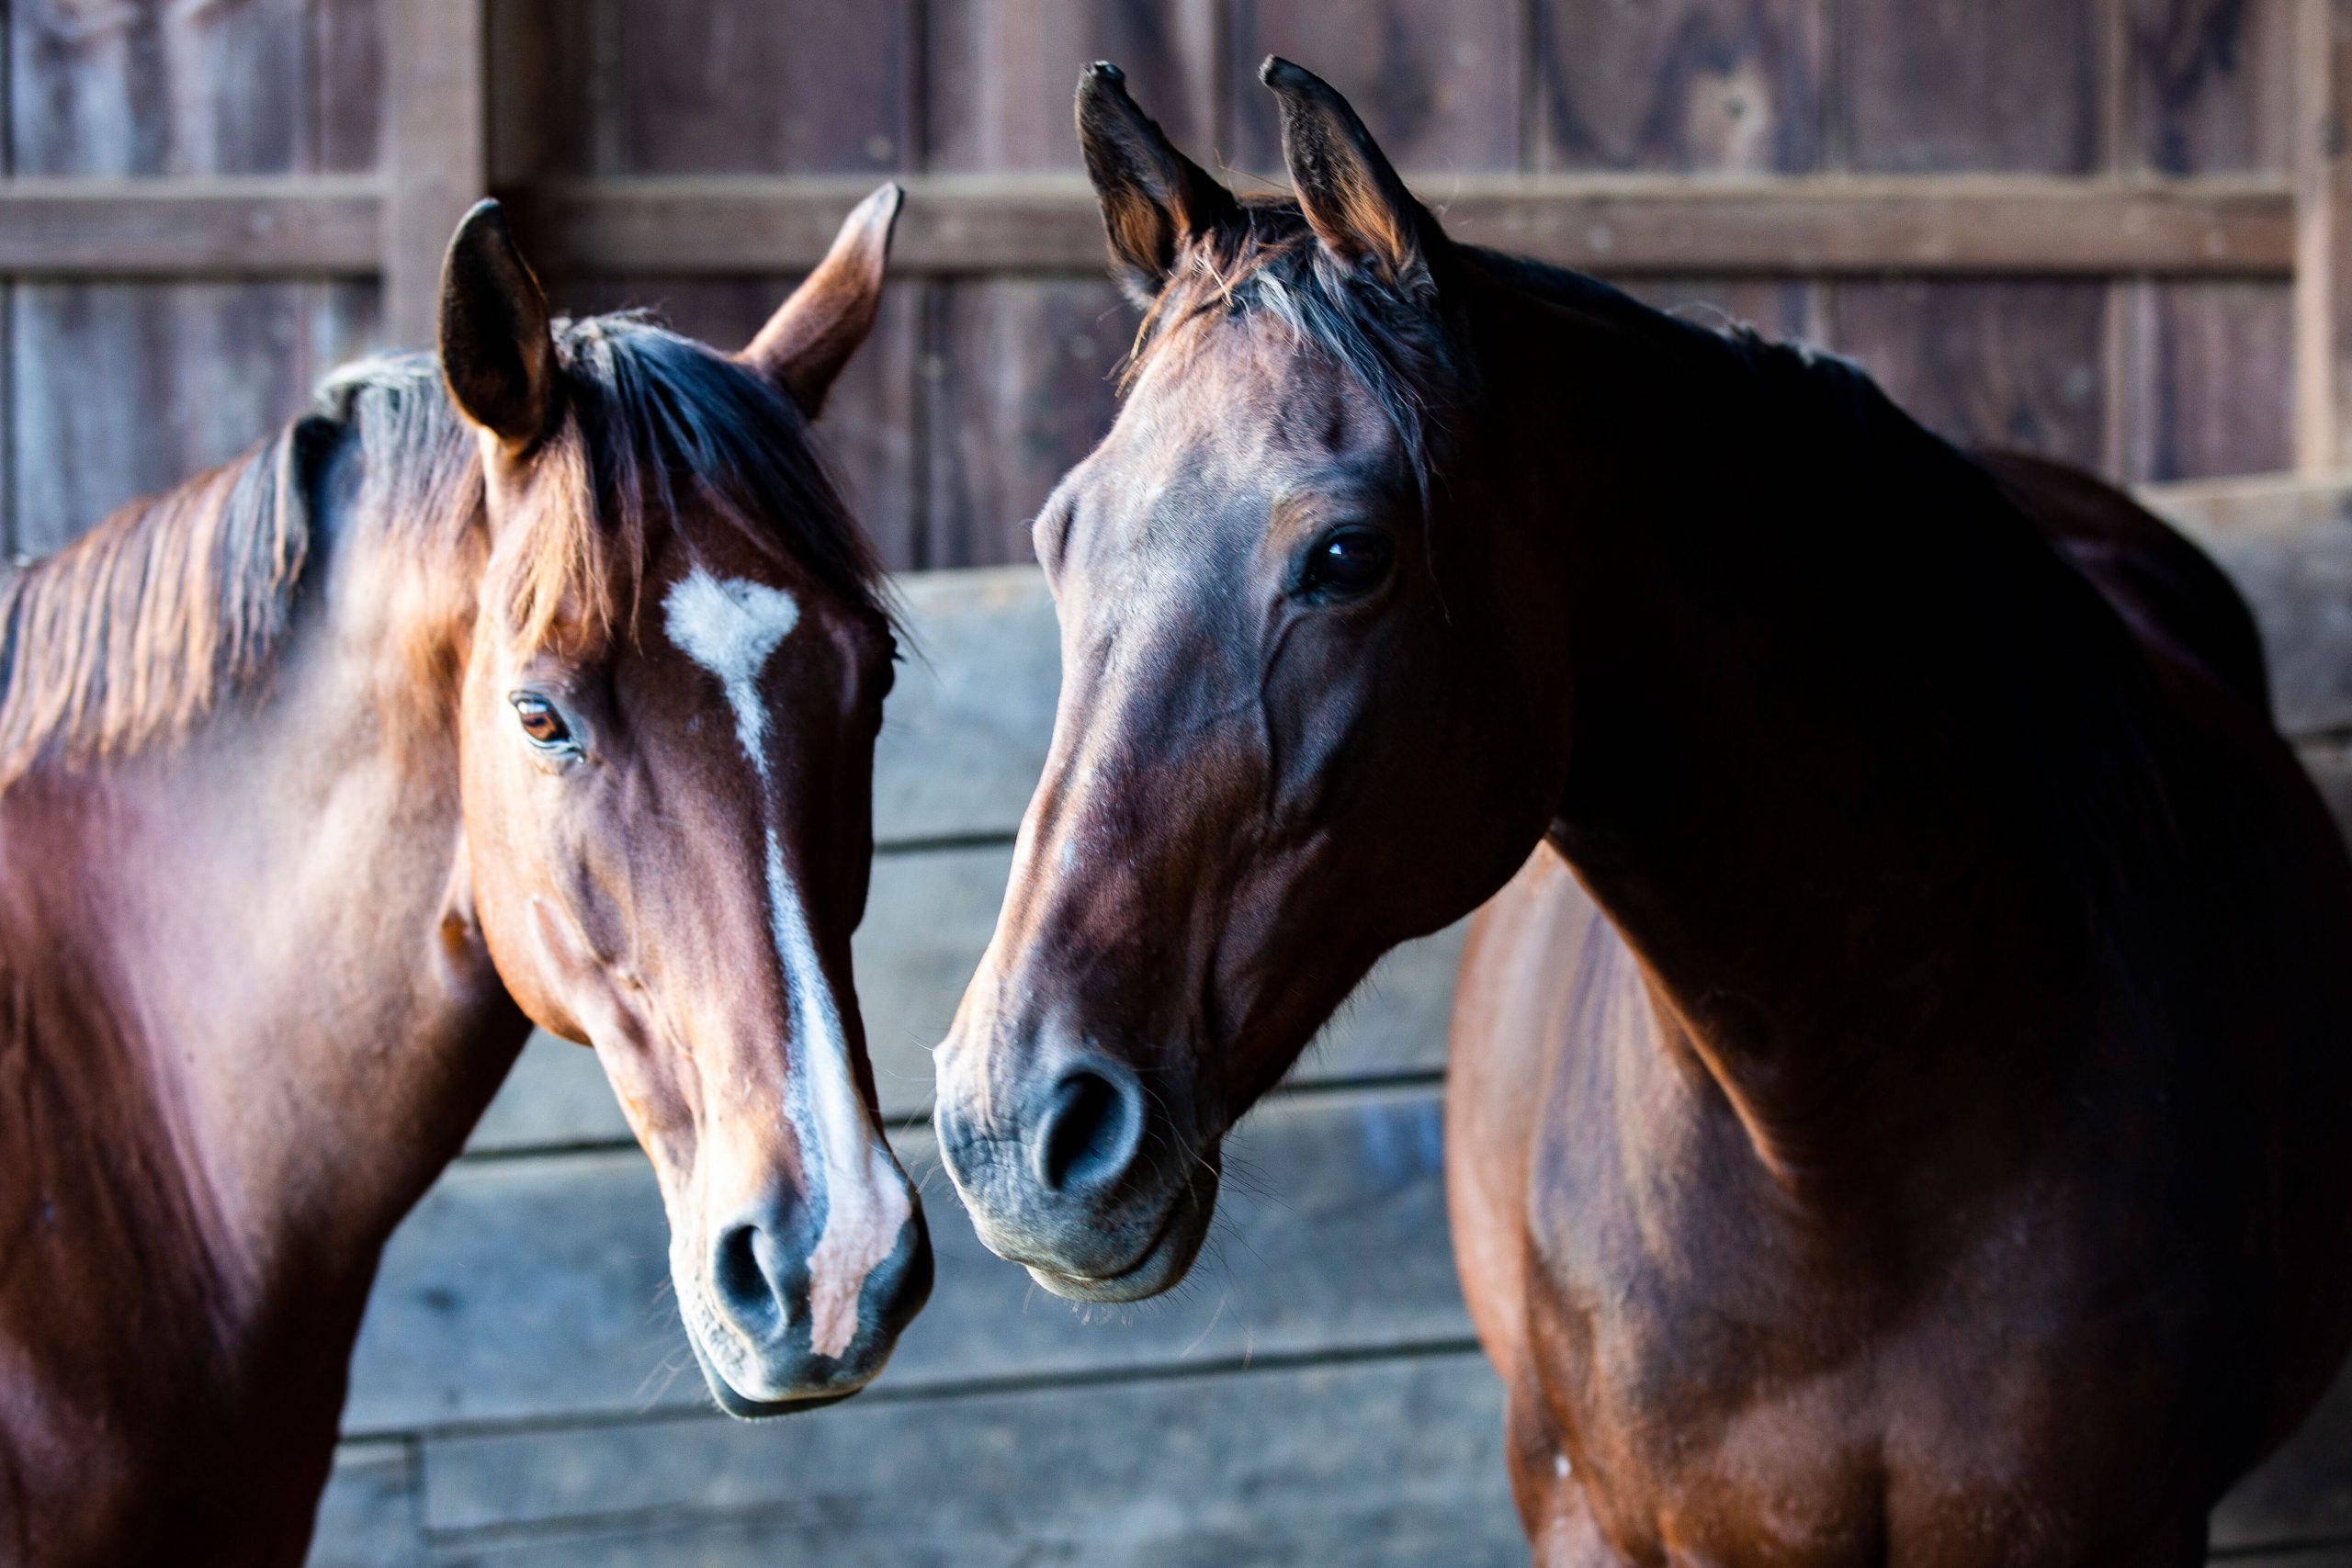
522, 1393
2097, 265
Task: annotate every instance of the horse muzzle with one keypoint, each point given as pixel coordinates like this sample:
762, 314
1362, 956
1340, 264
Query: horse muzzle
1086, 1184
754, 1333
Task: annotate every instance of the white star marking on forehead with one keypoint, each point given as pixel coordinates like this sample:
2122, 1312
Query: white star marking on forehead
730, 626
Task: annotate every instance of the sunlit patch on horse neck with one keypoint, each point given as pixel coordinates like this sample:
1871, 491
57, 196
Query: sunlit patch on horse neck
732, 627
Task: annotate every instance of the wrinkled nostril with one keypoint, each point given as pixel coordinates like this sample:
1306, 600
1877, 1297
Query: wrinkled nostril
1092, 1123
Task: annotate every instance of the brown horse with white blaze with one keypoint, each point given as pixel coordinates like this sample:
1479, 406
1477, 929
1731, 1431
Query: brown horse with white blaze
1899, 1093
538, 682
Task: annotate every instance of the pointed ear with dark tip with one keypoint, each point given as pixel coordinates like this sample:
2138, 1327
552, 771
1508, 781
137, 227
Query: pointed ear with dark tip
820, 325
1153, 196
1351, 196
497, 351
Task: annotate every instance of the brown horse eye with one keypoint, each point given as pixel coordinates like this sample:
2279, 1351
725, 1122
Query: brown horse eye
1346, 564
541, 724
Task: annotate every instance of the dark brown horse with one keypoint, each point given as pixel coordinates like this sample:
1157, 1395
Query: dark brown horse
550, 695
1900, 1110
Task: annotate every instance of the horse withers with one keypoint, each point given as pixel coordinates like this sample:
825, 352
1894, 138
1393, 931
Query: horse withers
539, 682
1899, 1089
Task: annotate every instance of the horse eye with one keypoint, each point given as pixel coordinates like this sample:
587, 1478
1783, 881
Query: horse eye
541, 724
1346, 564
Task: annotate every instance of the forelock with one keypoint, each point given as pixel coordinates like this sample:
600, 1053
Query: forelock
1392, 339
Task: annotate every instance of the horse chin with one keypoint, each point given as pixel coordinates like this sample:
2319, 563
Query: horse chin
1162, 1263
745, 1408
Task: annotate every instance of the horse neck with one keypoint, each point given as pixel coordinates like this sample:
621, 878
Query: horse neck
301, 1020
1821, 685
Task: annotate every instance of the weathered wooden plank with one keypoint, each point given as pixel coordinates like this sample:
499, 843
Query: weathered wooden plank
706, 86
371, 1514
2209, 85
1439, 83
349, 137
965, 732
1693, 85
439, 135
1017, 388
148, 89
1936, 85
1379, 1462
2209, 377
2287, 544
2007, 364
2323, 235
189, 229
522, 1290
999, 74
190, 375
122, 390
969, 224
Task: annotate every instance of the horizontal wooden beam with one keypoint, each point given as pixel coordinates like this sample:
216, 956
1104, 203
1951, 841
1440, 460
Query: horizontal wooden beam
961, 224
189, 228
966, 224
957, 224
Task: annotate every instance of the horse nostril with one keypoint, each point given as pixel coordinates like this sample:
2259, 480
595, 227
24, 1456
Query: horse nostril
1094, 1122
740, 1278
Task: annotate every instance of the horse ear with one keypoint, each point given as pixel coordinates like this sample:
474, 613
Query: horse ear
497, 350
1351, 194
821, 323
1153, 196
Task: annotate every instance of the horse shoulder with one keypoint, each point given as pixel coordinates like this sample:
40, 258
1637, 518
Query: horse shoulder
1535, 952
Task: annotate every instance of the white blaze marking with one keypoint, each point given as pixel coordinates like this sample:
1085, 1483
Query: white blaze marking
731, 627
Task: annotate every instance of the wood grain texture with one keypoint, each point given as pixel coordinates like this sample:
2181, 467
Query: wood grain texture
438, 152
347, 84
965, 731
2323, 235
1382, 1462
226, 88
187, 375
1976, 85
535, 1288
707, 86
2209, 85
985, 226
118, 391
194, 228
2210, 368
1001, 75
1715, 86
1017, 388
1439, 83
2006, 364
